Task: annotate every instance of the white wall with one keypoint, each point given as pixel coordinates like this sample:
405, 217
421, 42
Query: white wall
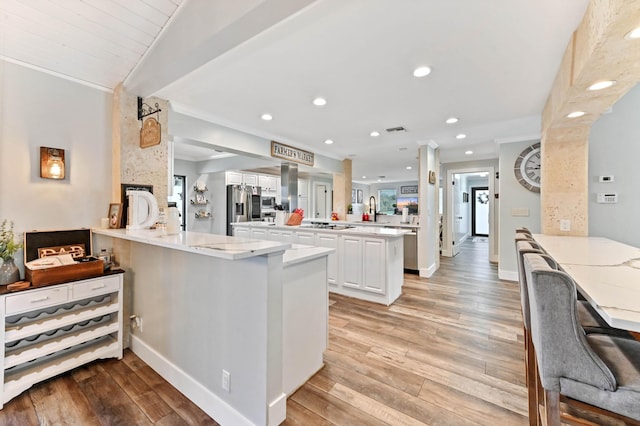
514, 196
38, 109
614, 149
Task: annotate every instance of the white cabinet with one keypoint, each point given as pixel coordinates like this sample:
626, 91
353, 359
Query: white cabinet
259, 233
268, 184
364, 263
233, 178
281, 235
238, 178
51, 330
241, 231
351, 249
307, 238
250, 179
330, 241
374, 271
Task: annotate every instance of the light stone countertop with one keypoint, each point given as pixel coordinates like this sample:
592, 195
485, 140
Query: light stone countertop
220, 246
607, 273
299, 253
353, 228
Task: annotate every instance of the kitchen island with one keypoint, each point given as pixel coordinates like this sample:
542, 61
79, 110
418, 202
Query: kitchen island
367, 264
219, 317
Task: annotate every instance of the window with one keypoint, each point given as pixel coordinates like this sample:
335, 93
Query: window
387, 201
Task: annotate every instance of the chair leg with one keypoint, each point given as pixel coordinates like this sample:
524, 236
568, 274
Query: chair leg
532, 388
552, 407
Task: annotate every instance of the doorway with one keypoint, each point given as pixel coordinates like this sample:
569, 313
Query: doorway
178, 199
480, 211
322, 205
458, 205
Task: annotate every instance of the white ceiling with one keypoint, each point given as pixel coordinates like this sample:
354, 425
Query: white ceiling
493, 63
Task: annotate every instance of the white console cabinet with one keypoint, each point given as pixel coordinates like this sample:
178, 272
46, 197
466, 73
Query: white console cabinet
53, 329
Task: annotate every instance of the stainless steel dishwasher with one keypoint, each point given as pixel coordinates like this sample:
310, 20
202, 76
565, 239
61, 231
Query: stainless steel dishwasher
411, 250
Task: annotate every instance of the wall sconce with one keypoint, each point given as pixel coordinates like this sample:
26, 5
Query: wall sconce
51, 163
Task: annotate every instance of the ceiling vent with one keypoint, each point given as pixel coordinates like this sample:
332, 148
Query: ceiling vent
396, 129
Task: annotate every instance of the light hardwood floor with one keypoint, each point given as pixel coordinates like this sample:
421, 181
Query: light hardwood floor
447, 352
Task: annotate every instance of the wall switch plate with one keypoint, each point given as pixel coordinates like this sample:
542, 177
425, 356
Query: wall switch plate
565, 225
605, 179
226, 380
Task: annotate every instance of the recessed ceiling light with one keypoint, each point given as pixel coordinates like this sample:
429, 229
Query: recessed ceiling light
604, 84
635, 33
409, 167
468, 152
319, 101
364, 177
461, 136
374, 134
575, 114
328, 141
266, 117
402, 148
421, 71
451, 120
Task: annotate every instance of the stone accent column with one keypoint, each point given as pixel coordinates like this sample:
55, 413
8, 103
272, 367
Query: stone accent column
132, 164
597, 51
342, 190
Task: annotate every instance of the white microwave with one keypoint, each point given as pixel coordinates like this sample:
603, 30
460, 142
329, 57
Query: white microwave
268, 203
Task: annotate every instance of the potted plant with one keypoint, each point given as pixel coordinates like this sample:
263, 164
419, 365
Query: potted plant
9, 272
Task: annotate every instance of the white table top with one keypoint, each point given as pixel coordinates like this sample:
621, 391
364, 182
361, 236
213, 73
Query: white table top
606, 272
221, 246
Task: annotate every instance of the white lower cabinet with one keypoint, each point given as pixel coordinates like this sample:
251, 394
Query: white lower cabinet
239, 231
280, 235
259, 233
50, 330
307, 238
363, 265
330, 241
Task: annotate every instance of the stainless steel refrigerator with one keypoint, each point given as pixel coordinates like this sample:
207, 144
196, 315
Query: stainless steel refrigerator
243, 204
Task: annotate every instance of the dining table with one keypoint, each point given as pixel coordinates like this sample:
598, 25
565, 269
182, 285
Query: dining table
606, 273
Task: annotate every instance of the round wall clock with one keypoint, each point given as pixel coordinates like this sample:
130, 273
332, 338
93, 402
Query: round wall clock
527, 168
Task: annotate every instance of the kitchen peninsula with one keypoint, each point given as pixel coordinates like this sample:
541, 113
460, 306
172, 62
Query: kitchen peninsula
220, 317
367, 264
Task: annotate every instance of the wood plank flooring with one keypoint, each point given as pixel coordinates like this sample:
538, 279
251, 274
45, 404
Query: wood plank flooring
447, 352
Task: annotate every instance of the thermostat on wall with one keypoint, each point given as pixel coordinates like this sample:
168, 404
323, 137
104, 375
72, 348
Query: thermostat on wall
608, 178
607, 198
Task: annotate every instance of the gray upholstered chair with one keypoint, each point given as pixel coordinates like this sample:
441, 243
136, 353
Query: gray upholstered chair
600, 371
589, 319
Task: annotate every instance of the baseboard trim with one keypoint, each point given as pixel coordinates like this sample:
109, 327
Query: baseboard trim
277, 412
427, 272
507, 275
208, 401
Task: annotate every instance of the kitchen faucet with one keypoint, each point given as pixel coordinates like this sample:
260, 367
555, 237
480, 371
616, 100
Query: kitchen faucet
375, 208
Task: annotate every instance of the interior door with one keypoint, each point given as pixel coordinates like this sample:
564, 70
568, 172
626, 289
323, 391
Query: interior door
321, 202
480, 211
457, 215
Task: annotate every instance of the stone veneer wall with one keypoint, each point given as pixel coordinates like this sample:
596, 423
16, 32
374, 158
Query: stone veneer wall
342, 190
132, 164
597, 51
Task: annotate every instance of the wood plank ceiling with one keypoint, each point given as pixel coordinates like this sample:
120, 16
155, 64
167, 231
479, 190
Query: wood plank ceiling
95, 41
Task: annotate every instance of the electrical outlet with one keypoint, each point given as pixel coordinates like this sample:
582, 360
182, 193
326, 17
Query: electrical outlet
226, 380
565, 225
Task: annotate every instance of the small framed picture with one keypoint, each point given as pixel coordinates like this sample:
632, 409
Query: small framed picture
200, 199
115, 215
359, 196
